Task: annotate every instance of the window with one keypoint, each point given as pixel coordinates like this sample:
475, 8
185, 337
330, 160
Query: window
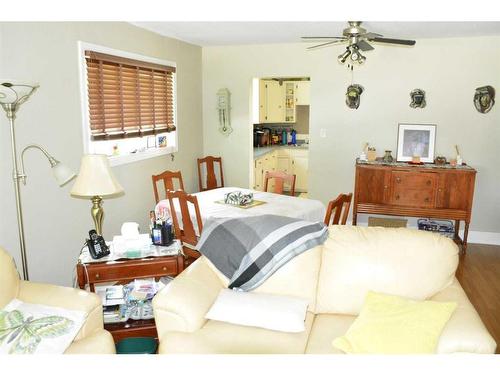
130, 104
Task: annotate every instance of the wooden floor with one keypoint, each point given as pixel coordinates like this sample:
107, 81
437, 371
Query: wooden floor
479, 274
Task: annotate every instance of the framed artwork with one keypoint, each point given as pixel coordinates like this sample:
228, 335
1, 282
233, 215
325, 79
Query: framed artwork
416, 140
162, 141
151, 142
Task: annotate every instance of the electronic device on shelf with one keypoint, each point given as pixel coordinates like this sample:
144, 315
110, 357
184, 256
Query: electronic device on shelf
97, 246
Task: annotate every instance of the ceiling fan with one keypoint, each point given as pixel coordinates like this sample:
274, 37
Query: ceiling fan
358, 39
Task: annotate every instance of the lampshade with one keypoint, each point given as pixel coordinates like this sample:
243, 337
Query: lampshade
95, 179
62, 173
15, 94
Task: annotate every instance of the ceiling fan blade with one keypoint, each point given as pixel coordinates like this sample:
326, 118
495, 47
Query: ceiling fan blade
325, 44
370, 36
323, 37
364, 46
394, 41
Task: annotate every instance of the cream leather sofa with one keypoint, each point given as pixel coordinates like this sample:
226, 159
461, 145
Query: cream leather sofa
334, 277
92, 338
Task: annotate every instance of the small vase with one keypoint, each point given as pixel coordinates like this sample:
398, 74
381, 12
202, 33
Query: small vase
388, 157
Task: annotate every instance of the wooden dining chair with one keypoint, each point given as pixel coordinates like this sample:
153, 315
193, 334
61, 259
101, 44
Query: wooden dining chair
279, 180
338, 207
211, 178
168, 182
187, 235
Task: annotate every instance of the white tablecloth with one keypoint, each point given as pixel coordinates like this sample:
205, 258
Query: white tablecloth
276, 204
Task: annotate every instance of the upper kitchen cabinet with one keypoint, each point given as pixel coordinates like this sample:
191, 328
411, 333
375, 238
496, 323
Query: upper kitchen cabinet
302, 92
277, 101
271, 101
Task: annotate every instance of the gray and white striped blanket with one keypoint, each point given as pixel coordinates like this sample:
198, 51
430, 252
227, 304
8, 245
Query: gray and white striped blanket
248, 250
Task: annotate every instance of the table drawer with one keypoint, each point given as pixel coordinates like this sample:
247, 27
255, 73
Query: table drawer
127, 270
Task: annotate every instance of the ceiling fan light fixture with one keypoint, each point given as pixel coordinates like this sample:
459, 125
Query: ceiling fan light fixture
343, 57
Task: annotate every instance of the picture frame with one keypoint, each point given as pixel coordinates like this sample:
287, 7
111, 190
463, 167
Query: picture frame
416, 140
151, 142
162, 141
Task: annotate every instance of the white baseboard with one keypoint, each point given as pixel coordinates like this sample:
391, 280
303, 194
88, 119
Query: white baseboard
486, 238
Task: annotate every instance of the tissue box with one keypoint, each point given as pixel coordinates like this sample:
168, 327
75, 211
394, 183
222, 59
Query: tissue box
131, 247
238, 198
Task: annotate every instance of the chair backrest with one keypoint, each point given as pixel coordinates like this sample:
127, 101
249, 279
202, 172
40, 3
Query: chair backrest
187, 234
168, 182
339, 206
279, 180
211, 178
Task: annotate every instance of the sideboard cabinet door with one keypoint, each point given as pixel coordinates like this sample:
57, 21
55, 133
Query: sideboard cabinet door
373, 185
455, 191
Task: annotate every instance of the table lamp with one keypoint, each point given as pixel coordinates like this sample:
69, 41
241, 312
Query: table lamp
96, 181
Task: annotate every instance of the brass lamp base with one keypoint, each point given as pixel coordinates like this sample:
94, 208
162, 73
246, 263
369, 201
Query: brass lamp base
97, 213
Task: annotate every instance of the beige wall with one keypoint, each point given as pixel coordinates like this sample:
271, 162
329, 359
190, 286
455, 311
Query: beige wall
447, 69
57, 224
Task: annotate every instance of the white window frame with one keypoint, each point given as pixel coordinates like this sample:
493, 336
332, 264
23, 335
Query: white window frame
87, 142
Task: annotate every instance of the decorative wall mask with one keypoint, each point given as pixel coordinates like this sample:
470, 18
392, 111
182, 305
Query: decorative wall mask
417, 98
353, 96
484, 98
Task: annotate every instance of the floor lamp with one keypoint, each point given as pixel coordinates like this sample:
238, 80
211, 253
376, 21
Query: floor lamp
12, 95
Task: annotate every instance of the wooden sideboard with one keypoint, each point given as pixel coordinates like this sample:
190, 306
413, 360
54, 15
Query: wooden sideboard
426, 191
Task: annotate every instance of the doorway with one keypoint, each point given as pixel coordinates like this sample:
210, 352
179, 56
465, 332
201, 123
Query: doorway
280, 127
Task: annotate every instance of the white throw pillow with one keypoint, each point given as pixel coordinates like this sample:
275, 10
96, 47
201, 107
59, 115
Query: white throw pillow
278, 313
27, 328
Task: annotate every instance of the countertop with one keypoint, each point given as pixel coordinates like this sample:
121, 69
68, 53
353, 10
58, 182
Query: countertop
261, 151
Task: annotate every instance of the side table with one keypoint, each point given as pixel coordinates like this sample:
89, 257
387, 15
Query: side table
125, 270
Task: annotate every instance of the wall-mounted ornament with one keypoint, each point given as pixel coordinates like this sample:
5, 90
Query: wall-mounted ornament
223, 108
484, 98
417, 98
353, 96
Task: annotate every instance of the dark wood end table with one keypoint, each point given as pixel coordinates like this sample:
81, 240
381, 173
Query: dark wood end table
125, 270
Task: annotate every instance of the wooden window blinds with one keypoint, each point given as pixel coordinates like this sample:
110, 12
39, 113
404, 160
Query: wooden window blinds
128, 98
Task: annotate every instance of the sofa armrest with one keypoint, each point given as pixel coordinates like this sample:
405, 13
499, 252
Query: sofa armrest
183, 303
100, 342
67, 298
464, 332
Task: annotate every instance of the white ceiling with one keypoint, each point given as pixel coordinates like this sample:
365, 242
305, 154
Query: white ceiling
234, 33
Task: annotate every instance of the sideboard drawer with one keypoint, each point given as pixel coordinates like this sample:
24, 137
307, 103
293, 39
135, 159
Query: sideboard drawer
413, 189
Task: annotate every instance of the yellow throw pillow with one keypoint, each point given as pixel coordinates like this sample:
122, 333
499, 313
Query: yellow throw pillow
395, 325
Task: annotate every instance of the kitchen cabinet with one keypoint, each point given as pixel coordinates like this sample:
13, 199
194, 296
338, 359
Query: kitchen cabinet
276, 102
300, 163
271, 102
288, 160
289, 92
261, 166
302, 92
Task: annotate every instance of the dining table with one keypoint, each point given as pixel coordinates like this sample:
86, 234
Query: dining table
211, 204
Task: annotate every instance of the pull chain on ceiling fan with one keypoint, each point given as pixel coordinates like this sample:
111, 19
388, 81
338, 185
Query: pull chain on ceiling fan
357, 38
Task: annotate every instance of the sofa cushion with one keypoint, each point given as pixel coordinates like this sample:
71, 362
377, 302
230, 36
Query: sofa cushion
398, 261
225, 338
326, 328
